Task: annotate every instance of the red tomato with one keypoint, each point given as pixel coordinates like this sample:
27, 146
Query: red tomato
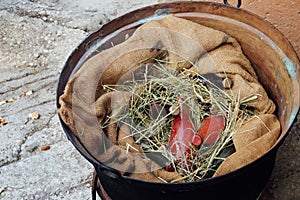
210, 129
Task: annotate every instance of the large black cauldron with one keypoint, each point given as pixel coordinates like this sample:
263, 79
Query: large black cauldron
278, 72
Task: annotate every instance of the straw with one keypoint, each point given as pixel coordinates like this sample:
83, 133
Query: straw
155, 102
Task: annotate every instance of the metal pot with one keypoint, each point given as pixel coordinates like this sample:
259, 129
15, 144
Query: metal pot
277, 67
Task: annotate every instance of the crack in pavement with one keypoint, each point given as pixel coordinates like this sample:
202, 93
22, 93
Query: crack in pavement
19, 76
47, 18
29, 134
43, 103
13, 89
40, 103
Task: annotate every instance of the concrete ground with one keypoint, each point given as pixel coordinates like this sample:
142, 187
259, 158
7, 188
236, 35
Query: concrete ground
36, 37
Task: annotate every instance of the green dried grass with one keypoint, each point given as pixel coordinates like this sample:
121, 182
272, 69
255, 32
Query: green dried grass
163, 87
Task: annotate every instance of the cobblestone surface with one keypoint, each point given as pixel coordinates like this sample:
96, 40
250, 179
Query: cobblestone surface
36, 37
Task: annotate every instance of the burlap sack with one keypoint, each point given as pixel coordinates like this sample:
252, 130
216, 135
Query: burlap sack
229, 61
253, 140
85, 107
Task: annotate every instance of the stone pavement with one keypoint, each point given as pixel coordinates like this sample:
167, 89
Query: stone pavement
36, 37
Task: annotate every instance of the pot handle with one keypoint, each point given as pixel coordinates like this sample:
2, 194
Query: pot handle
239, 3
